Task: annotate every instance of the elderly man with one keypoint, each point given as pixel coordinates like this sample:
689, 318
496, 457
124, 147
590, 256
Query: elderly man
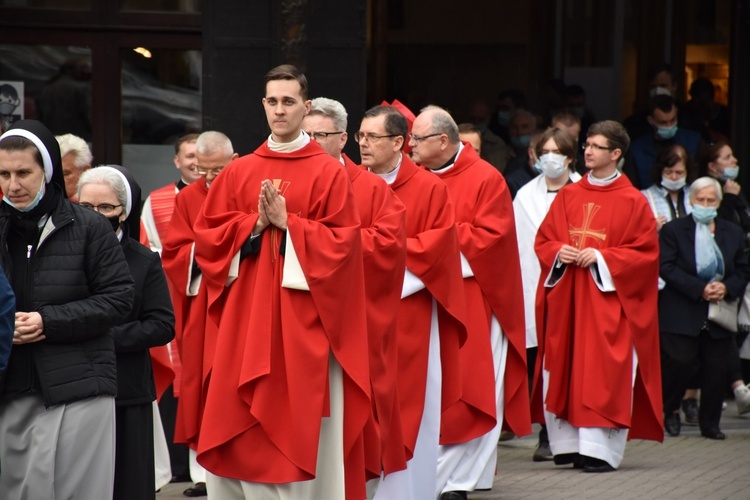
195, 339
493, 360
430, 323
76, 159
384, 250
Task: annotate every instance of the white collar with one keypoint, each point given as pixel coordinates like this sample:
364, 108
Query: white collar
289, 147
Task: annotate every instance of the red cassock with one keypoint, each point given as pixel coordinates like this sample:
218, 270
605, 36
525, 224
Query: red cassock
197, 335
432, 254
587, 337
269, 386
384, 252
487, 238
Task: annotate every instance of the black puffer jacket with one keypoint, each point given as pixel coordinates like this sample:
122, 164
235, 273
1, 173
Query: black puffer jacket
81, 286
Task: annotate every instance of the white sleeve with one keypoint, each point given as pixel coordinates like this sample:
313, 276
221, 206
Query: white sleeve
194, 282
600, 273
149, 224
466, 269
412, 284
294, 276
556, 273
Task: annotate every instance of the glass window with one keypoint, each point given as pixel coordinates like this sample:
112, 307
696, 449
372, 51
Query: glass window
161, 101
53, 85
49, 4
186, 6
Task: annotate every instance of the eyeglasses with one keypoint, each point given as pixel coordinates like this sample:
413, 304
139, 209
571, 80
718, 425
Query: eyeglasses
372, 138
322, 135
205, 171
595, 147
104, 209
417, 138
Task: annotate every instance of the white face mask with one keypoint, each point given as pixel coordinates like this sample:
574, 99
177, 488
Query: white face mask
553, 165
671, 185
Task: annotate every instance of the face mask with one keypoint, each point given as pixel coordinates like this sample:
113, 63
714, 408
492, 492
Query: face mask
659, 91
114, 221
553, 165
538, 166
703, 215
666, 132
503, 118
730, 173
521, 142
34, 202
671, 185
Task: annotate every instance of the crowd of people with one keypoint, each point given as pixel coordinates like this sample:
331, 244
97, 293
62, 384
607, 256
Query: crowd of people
314, 328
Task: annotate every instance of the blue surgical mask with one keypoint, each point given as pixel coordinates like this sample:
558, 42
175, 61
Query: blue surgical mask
730, 173
703, 215
521, 141
34, 202
671, 185
503, 118
666, 132
538, 166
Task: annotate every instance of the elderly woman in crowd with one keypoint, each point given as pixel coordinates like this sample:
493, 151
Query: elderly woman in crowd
72, 284
669, 195
555, 153
111, 191
702, 260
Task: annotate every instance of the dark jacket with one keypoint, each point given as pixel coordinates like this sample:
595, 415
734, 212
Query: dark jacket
682, 310
149, 324
7, 319
81, 286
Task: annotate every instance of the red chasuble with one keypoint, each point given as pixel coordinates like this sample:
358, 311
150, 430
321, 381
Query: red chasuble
487, 238
384, 252
432, 254
587, 337
192, 338
269, 384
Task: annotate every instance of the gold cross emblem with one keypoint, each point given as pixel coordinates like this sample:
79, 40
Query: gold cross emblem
578, 235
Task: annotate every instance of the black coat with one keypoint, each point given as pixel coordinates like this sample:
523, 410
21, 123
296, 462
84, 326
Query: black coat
150, 324
81, 286
682, 310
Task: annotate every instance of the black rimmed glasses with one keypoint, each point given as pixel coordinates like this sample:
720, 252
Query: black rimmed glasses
417, 138
105, 209
370, 137
595, 147
323, 135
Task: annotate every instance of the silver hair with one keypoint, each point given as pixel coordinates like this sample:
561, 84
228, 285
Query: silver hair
211, 141
442, 123
704, 182
70, 143
332, 109
107, 177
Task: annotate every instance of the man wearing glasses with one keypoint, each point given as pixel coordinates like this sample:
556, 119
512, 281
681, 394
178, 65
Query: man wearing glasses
598, 363
214, 151
431, 317
493, 361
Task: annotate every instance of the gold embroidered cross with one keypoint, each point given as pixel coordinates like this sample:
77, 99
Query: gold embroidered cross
579, 234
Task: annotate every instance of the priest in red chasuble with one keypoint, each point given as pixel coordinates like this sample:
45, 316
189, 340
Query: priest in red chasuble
431, 316
279, 243
597, 308
493, 361
384, 252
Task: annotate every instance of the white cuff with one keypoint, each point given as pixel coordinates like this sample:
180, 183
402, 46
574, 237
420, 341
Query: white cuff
466, 270
412, 284
600, 273
293, 277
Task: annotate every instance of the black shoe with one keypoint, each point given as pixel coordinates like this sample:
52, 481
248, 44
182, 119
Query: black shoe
596, 465
713, 433
453, 495
576, 459
690, 407
198, 490
542, 453
672, 424
180, 479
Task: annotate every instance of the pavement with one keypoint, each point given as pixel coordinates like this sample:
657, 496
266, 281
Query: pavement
685, 468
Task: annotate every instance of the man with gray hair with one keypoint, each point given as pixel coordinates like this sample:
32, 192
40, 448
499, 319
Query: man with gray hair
383, 233
493, 359
214, 151
76, 159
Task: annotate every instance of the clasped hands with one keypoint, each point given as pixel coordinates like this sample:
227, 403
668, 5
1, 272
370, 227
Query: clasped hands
28, 328
581, 258
714, 291
271, 208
